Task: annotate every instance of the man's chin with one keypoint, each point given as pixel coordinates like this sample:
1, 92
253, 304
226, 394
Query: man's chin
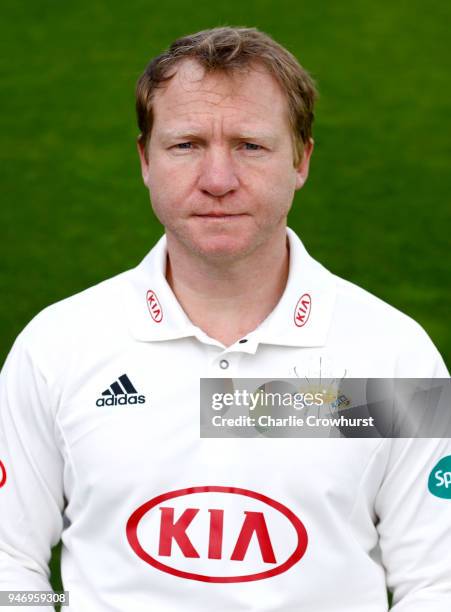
223, 248
225, 251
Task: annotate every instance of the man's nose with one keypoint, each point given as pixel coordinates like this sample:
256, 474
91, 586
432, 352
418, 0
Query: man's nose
218, 175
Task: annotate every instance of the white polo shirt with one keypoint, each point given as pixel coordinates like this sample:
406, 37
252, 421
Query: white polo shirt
99, 444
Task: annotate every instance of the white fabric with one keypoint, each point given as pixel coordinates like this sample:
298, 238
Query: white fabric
63, 451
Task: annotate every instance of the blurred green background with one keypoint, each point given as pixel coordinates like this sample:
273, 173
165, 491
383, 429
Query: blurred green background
375, 210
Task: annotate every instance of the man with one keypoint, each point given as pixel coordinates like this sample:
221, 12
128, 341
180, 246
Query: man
100, 394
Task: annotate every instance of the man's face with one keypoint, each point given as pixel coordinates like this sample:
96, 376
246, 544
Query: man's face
220, 161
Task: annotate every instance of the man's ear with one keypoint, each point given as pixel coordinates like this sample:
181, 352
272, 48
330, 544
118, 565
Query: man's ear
144, 162
303, 167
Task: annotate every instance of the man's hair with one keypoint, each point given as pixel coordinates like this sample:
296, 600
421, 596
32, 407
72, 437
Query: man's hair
229, 49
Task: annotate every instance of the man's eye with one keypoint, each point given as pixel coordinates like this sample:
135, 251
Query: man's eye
184, 145
251, 146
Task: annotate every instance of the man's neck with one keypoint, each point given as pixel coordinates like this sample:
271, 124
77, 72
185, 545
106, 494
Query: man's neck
228, 301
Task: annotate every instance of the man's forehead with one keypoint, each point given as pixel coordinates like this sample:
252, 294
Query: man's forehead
251, 89
192, 76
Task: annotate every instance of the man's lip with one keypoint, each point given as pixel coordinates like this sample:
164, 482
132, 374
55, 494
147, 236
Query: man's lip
219, 214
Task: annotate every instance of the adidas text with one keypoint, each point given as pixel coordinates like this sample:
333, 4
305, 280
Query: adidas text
120, 400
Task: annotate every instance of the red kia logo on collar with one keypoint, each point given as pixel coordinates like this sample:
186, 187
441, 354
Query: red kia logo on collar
156, 312
217, 534
302, 310
2, 474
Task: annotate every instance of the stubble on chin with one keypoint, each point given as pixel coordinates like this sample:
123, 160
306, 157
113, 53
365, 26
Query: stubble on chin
215, 248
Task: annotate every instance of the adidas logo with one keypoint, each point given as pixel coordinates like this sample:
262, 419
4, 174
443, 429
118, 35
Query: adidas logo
120, 392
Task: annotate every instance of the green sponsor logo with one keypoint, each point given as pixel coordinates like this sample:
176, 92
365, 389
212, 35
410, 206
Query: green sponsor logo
440, 479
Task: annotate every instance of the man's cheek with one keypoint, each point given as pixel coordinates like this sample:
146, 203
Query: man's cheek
166, 200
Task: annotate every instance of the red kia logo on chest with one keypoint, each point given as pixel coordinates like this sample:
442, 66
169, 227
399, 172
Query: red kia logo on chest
302, 310
156, 312
217, 534
2, 474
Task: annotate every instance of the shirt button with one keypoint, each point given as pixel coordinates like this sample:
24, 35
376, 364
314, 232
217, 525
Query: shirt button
243, 341
223, 364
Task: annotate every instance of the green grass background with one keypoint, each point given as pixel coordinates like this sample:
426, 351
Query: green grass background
376, 209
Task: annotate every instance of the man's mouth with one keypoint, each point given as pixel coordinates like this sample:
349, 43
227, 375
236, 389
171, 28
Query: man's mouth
219, 215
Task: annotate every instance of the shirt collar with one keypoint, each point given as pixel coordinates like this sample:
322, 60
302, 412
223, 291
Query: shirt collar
304, 313
301, 318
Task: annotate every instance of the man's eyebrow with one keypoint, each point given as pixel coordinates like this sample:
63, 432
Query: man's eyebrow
256, 135
180, 132
193, 132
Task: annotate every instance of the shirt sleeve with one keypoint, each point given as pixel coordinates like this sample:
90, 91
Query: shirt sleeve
31, 478
415, 527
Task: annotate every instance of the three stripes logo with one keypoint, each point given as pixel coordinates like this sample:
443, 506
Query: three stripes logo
120, 392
